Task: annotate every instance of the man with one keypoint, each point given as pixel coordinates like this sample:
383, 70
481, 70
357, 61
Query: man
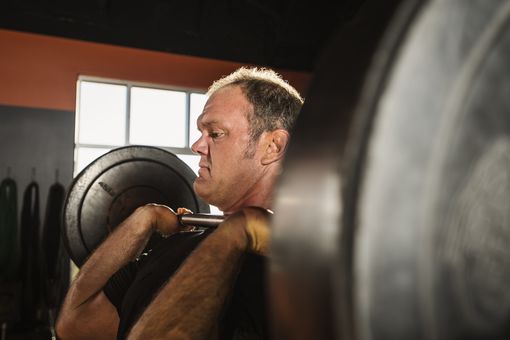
217, 290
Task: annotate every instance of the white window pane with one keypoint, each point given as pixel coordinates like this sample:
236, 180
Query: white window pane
192, 161
158, 117
102, 113
214, 210
196, 105
85, 156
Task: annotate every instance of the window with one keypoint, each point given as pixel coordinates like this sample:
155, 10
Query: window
113, 113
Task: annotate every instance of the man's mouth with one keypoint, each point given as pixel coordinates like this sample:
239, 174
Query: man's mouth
204, 170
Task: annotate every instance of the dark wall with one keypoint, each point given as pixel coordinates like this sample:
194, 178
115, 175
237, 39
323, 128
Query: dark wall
283, 34
36, 138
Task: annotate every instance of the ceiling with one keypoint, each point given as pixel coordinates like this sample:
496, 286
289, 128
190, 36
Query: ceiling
285, 34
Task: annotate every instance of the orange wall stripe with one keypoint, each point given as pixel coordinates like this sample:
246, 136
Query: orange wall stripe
41, 71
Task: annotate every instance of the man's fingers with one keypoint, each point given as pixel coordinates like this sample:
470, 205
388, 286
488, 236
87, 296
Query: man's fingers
182, 211
257, 229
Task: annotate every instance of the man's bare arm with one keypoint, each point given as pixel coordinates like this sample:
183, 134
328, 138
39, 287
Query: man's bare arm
86, 312
190, 304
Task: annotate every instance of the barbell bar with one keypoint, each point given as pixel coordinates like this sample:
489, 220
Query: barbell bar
200, 220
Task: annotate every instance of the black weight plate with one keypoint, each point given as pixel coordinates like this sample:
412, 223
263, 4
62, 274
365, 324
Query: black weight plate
113, 186
432, 245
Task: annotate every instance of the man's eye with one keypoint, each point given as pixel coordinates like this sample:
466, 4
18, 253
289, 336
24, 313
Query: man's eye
216, 134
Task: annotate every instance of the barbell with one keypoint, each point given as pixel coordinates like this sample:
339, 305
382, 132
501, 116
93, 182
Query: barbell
391, 216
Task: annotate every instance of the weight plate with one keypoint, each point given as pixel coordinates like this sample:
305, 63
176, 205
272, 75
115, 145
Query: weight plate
432, 250
391, 218
114, 185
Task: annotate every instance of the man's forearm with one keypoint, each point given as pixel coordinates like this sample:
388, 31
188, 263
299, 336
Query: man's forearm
81, 302
190, 304
122, 246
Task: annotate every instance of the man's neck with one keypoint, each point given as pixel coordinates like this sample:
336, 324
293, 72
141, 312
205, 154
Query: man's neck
259, 196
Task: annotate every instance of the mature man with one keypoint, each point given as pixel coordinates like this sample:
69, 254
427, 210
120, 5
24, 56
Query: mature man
197, 285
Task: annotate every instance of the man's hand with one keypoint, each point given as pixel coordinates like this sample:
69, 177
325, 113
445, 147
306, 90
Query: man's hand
164, 219
251, 227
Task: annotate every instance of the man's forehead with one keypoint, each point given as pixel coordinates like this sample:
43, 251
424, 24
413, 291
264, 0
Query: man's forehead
226, 103
206, 120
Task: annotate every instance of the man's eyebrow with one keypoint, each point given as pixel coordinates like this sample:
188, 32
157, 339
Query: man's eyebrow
208, 123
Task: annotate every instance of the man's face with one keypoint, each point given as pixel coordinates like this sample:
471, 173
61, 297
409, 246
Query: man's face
227, 177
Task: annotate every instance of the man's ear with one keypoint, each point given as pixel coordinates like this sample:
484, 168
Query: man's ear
274, 144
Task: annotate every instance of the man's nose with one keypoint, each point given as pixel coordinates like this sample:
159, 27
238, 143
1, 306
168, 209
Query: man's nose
200, 146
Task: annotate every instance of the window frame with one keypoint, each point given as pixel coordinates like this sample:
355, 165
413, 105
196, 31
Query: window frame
186, 150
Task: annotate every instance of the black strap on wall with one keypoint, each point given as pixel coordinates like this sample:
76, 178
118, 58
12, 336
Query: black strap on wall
9, 254
51, 244
30, 263
8, 230
55, 267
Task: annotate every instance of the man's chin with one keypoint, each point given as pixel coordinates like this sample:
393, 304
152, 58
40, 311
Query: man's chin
199, 186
